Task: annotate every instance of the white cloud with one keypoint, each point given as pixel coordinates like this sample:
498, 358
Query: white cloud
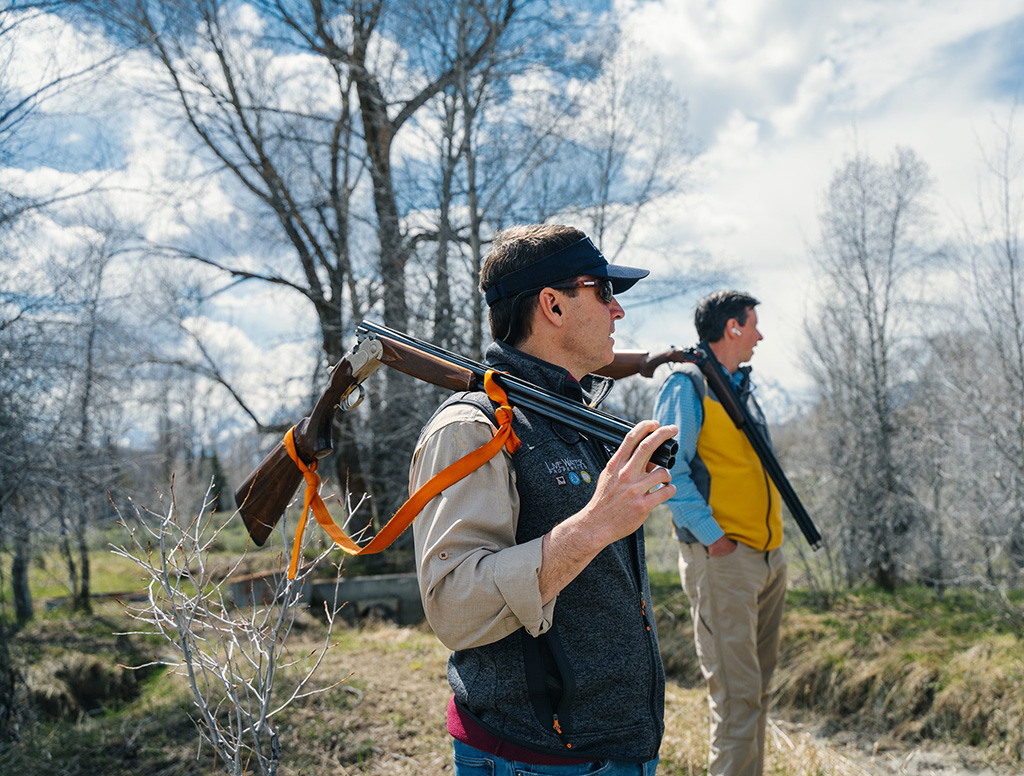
781, 92
46, 49
271, 376
813, 93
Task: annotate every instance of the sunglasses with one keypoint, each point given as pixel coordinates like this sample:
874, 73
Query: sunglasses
605, 289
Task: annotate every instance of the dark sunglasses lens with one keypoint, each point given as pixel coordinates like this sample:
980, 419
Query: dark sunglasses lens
606, 291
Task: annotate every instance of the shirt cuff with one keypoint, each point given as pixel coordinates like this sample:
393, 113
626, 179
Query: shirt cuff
706, 530
517, 578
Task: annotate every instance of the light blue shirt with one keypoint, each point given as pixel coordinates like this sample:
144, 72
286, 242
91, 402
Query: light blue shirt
679, 404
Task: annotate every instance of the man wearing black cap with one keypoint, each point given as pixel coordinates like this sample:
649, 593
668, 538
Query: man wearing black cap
532, 568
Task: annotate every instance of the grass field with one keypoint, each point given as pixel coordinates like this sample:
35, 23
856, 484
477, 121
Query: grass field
865, 684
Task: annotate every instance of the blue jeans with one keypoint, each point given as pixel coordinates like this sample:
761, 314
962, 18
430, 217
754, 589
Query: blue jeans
473, 762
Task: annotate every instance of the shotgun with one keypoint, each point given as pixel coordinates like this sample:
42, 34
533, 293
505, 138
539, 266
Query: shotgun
266, 492
631, 362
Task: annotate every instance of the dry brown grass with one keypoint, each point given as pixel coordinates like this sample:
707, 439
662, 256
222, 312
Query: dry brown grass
910, 680
984, 696
77, 683
387, 718
390, 718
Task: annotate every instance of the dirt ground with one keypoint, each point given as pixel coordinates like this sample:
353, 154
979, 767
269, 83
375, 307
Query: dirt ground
383, 714
874, 758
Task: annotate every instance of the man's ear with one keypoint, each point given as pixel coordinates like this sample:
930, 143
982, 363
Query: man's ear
548, 306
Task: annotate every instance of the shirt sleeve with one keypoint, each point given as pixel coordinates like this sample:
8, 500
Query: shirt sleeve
677, 403
477, 584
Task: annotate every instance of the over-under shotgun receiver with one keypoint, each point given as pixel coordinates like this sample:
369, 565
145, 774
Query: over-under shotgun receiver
266, 492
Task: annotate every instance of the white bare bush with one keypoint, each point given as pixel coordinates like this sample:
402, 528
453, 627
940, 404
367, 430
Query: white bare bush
234, 653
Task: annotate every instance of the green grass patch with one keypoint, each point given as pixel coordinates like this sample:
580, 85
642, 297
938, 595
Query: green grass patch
49, 575
911, 665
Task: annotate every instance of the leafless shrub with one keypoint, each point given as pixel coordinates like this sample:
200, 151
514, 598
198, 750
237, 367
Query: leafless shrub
233, 653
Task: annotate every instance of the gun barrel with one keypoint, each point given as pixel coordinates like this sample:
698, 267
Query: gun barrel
588, 420
709, 365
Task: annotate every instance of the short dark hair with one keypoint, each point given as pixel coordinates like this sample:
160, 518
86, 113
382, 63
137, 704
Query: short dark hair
715, 310
511, 250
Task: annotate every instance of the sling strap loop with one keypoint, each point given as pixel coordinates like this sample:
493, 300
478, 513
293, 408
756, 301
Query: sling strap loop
504, 436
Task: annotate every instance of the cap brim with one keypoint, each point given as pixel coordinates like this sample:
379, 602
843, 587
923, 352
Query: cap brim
623, 278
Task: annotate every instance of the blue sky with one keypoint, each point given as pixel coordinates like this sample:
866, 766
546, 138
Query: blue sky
780, 92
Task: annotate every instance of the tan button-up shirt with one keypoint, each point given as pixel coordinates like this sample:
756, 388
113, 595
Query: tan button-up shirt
477, 584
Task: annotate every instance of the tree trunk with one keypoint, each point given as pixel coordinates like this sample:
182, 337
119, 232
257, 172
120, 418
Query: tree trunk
8, 684
83, 598
397, 424
19, 573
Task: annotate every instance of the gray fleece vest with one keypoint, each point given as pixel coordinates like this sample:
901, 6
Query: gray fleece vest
592, 686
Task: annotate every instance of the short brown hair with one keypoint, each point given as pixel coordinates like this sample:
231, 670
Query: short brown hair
512, 249
715, 310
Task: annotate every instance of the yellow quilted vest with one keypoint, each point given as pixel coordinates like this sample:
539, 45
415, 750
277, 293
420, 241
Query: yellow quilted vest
744, 500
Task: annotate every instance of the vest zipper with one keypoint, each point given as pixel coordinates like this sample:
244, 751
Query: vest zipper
652, 655
768, 514
558, 730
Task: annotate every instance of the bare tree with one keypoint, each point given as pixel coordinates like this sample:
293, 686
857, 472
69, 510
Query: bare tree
100, 357
630, 149
31, 300
964, 479
231, 644
315, 118
30, 405
871, 246
304, 157
997, 266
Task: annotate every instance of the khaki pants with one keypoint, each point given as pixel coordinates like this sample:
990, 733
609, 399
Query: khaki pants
736, 602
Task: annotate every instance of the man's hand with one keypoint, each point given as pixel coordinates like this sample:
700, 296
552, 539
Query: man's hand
629, 487
723, 545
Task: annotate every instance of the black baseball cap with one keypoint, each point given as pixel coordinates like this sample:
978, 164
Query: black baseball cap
579, 258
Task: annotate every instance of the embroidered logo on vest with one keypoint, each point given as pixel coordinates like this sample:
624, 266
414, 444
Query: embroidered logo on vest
563, 465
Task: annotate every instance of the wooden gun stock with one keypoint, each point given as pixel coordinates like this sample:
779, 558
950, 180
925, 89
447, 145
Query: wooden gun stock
265, 493
626, 363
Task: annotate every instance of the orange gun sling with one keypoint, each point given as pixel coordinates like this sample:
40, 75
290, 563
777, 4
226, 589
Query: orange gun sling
504, 436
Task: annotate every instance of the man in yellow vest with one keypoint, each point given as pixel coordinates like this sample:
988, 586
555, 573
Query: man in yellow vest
728, 520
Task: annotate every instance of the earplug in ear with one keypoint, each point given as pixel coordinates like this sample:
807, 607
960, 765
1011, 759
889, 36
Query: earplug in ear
736, 331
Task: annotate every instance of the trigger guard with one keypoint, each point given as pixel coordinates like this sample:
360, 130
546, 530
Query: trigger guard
352, 399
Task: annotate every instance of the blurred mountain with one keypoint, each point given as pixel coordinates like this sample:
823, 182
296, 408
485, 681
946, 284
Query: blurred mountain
779, 404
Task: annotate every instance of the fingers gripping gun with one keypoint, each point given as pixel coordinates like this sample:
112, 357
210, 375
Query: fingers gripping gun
267, 491
631, 362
